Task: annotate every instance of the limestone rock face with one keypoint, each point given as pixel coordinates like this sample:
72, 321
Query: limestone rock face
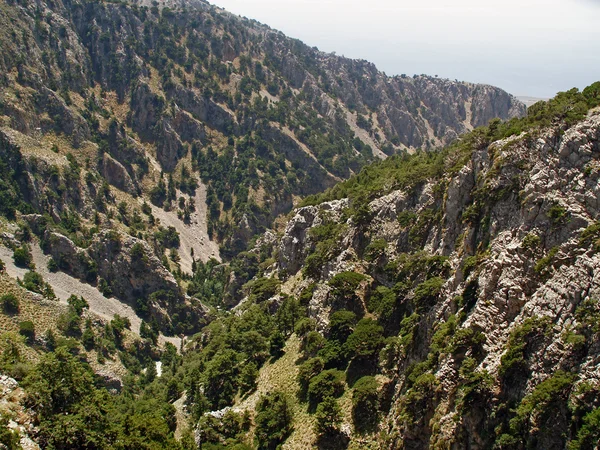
22, 420
116, 175
128, 267
130, 277
515, 232
169, 148
296, 243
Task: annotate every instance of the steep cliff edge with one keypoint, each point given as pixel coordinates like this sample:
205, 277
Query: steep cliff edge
468, 283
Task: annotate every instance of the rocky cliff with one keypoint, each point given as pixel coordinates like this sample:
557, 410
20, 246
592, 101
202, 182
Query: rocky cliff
480, 267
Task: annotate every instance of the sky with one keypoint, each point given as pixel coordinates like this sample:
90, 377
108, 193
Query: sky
528, 47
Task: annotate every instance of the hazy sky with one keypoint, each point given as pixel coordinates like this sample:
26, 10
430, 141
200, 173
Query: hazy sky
528, 47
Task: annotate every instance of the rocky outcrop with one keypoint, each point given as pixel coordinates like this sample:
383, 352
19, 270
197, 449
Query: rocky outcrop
513, 235
116, 175
296, 243
204, 109
62, 117
130, 274
20, 419
126, 268
169, 148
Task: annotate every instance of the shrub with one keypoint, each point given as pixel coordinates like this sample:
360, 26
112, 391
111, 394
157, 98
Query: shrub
531, 241
22, 257
590, 235
69, 323
366, 340
312, 343
52, 265
78, 304
365, 403
104, 288
10, 303
419, 397
138, 253
513, 360
382, 302
307, 294
426, 293
167, 237
468, 266
27, 330
328, 416
263, 289
273, 421
344, 284
375, 249
544, 400
248, 376
305, 326
33, 281
589, 433
558, 214
2, 266
341, 324
88, 339
309, 369
329, 383
543, 264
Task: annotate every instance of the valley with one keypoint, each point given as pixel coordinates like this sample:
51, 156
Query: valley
217, 237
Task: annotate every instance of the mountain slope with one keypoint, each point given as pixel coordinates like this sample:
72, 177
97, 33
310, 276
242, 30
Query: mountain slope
462, 287
193, 90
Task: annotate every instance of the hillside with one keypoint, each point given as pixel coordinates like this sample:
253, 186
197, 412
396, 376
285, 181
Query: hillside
217, 237
157, 101
441, 299
435, 300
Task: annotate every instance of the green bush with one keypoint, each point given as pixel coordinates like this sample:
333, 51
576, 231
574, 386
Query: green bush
273, 421
382, 302
558, 214
27, 330
309, 369
69, 323
341, 324
34, 282
366, 340
426, 293
344, 284
22, 257
589, 433
365, 403
590, 235
543, 264
263, 288
468, 266
52, 265
248, 376
544, 400
513, 361
328, 416
531, 241
78, 304
10, 303
329, 383
375, 249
